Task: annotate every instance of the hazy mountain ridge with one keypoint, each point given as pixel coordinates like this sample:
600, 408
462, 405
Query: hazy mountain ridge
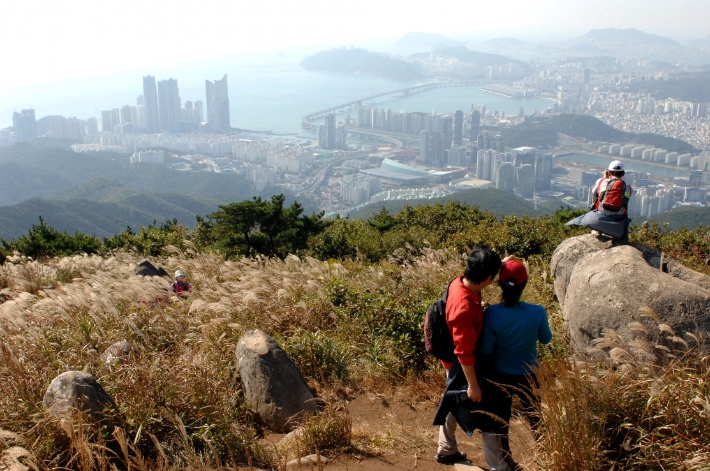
103, 215
464, 54
628, 35
425, 40
614, 42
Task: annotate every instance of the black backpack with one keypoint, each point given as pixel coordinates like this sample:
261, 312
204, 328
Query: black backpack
437, 336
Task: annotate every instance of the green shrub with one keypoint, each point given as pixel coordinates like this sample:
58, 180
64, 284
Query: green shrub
44, 241
318, 355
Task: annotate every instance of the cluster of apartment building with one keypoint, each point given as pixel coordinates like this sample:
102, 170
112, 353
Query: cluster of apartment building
652, 154
641, 113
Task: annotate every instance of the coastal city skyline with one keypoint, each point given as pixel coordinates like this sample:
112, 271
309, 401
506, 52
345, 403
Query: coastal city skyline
60, 62
429, 120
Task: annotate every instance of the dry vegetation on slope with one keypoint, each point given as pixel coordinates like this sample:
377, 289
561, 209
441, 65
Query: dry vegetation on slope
352, 328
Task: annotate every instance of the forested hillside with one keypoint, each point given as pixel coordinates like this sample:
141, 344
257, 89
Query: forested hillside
543, 131
32, 170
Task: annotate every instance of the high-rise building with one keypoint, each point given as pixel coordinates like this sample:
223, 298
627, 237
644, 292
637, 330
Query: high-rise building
458, 127
475, 125
169, 105
505, 177
218, 105
110, 119
543, 172
423, 146
445, 125
199, 111
330, 131
129, 117
150, 100
92, 126
25, 125
525, 180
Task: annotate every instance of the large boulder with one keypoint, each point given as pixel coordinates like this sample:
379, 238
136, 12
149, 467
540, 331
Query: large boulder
605, 286
146, 268
273, 385
77, 390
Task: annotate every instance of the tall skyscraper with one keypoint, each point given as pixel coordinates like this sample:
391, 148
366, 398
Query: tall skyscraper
458, 128
543, 172
475, 124
169, 105
150, 99
218, 105
330, 131
25, 125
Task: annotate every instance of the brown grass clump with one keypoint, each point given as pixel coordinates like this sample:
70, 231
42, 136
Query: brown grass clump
646, 409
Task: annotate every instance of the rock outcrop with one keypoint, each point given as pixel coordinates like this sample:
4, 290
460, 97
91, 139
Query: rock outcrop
605, 286
77, 390
146, 268
273, 385
117, 353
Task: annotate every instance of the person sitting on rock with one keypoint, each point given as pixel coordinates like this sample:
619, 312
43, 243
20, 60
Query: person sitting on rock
608, 217
181, 287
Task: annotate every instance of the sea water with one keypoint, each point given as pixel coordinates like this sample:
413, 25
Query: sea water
266, 93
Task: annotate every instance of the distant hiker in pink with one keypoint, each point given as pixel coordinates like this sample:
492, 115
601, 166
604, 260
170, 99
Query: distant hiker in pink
181, 286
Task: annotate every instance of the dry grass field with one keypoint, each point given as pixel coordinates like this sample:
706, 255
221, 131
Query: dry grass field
354, 331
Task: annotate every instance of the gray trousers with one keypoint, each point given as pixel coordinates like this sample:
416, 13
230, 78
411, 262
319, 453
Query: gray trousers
492, 445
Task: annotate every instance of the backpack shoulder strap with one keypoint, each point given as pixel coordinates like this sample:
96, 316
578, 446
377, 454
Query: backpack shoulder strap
445, 296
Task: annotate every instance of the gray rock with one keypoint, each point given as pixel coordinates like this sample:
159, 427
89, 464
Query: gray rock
17, 459
609, 287
117, 353
146, 268
306, 462
77, 390
273, 385
566, 256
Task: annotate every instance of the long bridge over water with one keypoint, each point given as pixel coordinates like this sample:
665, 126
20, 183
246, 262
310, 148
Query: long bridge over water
419, 88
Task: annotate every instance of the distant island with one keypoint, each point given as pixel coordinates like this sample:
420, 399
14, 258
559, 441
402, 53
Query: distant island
360, 61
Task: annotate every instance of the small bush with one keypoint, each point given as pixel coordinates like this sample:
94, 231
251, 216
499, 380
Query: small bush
318, 355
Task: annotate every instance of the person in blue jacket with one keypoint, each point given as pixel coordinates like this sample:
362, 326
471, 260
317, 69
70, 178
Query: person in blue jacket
511, 331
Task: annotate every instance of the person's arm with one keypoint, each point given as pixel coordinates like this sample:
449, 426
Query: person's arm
474, 391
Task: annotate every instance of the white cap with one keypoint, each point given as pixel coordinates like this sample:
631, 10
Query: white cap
616, 166
179, 273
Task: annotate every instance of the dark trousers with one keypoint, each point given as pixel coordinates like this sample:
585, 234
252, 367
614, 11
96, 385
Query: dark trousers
507, 386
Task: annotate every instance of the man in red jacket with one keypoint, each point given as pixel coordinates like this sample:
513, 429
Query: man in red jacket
464, 317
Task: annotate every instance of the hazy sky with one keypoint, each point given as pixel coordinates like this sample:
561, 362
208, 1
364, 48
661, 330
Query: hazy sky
47, 40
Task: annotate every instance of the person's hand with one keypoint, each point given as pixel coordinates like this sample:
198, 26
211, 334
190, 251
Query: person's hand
474, 392
508, 258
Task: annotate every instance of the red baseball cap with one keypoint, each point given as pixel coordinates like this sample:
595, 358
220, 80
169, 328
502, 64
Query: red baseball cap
512, 273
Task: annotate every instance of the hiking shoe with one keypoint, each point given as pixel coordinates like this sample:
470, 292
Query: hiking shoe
514, 466
455, 457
